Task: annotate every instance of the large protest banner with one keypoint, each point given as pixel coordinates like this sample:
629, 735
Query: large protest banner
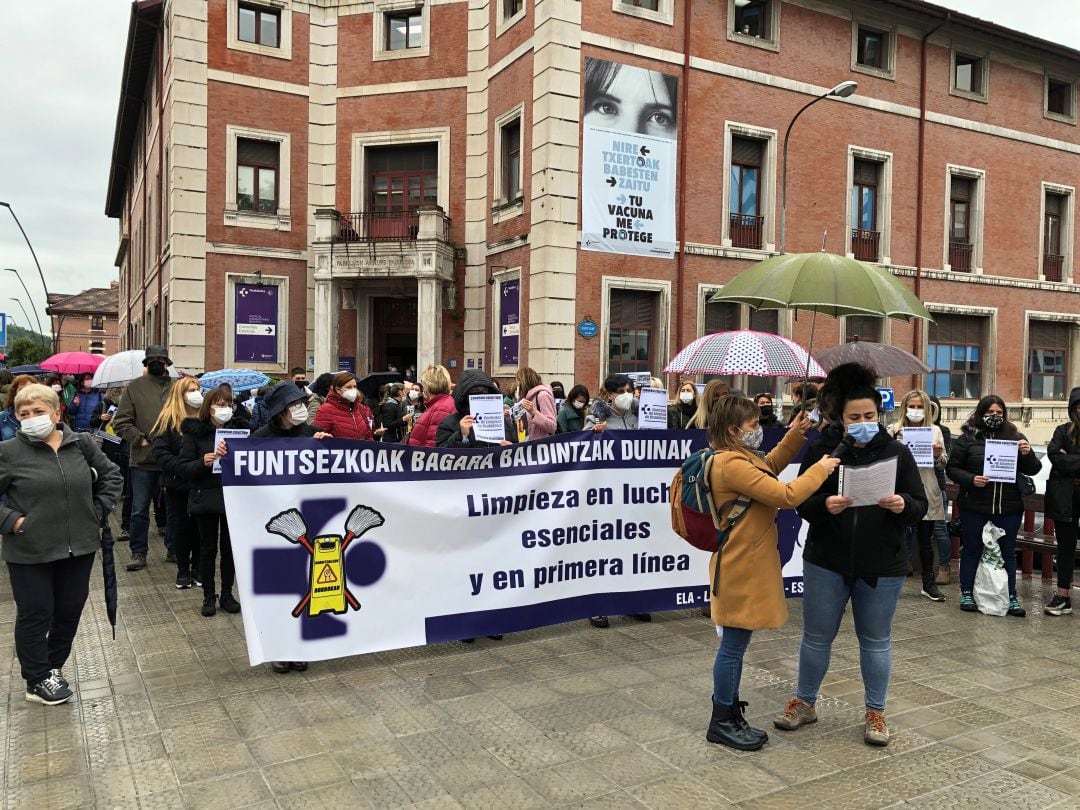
352, 547
628, 153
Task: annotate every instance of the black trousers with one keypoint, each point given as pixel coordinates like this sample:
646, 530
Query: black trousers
184, 530
1065, 531
925, 538
214, 529
49, 600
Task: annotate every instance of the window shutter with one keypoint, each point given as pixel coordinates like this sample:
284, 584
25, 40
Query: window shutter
865, 172
961, 189
746, 151
250, 152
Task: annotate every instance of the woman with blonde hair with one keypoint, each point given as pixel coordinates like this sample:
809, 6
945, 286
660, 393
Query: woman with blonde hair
438, 404
183, 402
682, 410
539, 404
715, 390
917, 411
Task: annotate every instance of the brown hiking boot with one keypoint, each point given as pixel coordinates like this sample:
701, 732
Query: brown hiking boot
944, 575
796, 713
876, 731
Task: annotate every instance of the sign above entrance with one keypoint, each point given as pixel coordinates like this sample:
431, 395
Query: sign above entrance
256, 319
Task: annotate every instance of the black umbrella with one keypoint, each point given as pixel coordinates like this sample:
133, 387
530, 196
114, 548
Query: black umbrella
369, 385
108, 573
886, 360
28, 370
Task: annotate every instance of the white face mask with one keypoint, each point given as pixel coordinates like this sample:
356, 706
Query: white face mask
414, 395
579, 405
222, 415
349, 394
624, 401
37, 427
194, 399
916, 414
57, 388
686, 396
298, 413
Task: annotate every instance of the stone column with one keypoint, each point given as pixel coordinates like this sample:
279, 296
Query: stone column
428, 322
327, 309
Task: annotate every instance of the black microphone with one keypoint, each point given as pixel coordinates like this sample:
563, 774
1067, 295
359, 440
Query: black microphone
846, 444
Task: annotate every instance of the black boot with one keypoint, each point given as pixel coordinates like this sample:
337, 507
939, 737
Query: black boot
727, 727
738, 708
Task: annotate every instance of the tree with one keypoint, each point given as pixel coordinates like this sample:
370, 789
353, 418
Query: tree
24, 352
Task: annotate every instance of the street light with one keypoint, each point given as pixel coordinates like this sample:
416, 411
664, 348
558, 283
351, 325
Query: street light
842, 90
36, 263
20, 303
29, 298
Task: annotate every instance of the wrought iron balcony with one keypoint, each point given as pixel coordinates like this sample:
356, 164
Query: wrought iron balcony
864, 244
392, 226
746, 231
1053, 267
960, 256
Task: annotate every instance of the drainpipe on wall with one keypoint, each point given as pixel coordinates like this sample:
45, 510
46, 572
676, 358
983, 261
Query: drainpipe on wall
916, 347
163, 331
680, 258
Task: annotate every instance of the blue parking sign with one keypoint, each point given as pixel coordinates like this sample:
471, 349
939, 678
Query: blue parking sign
888, 399
3, 330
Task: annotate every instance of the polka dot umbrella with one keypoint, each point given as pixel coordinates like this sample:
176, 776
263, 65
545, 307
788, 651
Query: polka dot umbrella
759, 354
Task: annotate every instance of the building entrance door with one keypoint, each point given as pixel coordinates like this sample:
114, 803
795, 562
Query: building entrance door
393, 333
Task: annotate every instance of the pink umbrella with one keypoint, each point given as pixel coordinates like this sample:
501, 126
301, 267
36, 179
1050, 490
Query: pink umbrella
73, 363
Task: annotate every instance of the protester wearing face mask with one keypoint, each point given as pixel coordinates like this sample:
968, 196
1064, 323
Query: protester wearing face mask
981, 500
769, 416
1063, 502
539, 404
206, 501
415, 400
394, 415
184, 402
571, 418
83, 405
853, 554
914, 410
55, 486
615, 408
680, 414
140, 406
299, 378
439, 405
747, 587
344, 414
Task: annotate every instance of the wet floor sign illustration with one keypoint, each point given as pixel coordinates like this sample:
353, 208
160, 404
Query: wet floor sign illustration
327, 592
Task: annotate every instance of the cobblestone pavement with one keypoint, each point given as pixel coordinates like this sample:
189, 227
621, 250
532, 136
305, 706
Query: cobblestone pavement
984, 713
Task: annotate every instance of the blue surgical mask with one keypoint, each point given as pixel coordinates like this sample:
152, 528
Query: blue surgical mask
863, 432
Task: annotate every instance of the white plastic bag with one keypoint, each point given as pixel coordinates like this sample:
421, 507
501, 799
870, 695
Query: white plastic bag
991, 580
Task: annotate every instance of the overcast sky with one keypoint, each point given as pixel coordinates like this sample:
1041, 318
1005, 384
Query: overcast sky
61, 63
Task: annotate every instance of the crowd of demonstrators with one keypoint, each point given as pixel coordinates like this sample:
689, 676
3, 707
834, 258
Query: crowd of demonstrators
981, 500
1063, 502
49, 551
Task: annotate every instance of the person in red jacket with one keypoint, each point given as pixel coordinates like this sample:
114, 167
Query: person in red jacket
438, 405
344, 414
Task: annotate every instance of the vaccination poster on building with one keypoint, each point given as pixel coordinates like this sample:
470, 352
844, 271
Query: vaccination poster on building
256, 318
628, 154
344, 548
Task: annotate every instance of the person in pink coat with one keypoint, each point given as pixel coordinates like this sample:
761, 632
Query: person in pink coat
438, 405
538, 402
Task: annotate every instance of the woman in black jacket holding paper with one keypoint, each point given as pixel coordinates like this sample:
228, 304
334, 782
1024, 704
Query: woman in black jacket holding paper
981, 500
1063, 502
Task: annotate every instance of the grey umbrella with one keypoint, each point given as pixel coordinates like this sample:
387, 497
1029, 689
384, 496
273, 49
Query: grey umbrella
886, 361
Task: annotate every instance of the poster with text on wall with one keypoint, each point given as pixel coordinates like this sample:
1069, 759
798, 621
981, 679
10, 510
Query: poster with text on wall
256, 318
628, 154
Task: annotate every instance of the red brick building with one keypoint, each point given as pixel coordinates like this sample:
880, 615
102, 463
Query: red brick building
401, 182
86, 321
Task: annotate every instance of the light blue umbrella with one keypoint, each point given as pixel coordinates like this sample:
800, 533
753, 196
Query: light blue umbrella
239, 379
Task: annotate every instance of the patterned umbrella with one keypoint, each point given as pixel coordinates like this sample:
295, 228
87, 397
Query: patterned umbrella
759, 354
239, 379
886, 361
73, 363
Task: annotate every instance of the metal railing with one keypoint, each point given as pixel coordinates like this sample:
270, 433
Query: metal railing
960, 256
387, 226
864, 244
1053, 267
746, 231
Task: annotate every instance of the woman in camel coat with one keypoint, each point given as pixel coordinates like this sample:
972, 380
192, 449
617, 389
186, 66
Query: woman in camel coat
749, 589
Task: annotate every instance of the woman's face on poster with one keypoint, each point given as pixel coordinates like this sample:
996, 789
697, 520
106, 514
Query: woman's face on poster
637, 100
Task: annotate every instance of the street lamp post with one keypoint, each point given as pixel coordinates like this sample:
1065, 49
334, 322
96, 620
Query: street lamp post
20, 303
30, 299
36, 262
842, 90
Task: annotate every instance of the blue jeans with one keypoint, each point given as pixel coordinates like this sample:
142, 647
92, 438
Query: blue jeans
971, 545
144, 484
727, 669
941, 536
825, 597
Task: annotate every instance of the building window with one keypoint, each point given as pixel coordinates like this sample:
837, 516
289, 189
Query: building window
632, 334
753, 18
511, 8
404, 29
258, 25
865, 234
402, 178
511, 160
659, 11
864, 328
649, 5
97, 323
871, 48
1048, 359
969, 74
955, 355
256, 175
1055, 207
97, 347
963, 215
763, 320
746, 220
1059, 98
721, 316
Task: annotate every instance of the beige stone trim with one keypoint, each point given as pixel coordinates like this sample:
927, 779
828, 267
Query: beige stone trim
884, 201
379, 50
256, 82
976, 217
282, 283
393, 88
284, 49
1068, 227
282, 219
665, 13
362, 140
768, 192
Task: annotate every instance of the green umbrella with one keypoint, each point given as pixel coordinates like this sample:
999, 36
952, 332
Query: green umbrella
825, 283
